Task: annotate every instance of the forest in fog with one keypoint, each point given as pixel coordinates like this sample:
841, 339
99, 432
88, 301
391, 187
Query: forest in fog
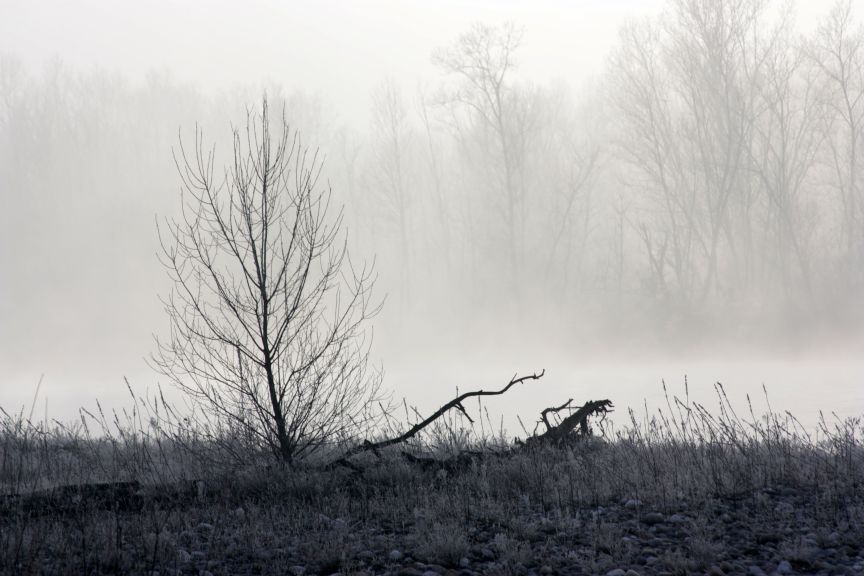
707, 186
405, 287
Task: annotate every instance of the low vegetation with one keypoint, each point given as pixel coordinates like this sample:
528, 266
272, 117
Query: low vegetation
686, 490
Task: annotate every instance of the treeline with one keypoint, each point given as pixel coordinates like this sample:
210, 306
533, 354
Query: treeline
712, 177
712, 180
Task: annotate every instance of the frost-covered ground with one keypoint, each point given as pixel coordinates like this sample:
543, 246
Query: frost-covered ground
416, 526
698, 494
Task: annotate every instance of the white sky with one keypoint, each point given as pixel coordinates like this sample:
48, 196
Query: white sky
337, 49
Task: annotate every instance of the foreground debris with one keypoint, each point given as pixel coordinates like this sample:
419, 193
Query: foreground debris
573, 427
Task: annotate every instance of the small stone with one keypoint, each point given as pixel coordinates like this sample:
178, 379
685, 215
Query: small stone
340, 524
546, 569
632, 572
297, 570
616, 572
548, 528
677, 519
205, 527
239, 513
632, 503
395, 555
487, 553
366, 556
464, 562
716, 571
784, 567
653, 518
755, 571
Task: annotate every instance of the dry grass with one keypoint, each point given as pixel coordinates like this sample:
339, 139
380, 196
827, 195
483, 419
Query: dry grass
248, 515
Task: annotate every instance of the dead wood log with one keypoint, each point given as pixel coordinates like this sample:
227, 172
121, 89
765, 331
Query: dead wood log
456, 403
566, 428
72, 498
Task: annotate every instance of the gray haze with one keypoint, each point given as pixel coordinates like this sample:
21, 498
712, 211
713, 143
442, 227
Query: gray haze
649, 198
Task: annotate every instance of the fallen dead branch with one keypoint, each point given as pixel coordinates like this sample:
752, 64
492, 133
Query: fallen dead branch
456, 403
72, 498
575, 425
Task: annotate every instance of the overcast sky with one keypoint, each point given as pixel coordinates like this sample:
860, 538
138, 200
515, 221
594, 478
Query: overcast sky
335, 49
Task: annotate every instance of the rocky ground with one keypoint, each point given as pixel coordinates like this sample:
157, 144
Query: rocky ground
766, 531
773, 532
702, 495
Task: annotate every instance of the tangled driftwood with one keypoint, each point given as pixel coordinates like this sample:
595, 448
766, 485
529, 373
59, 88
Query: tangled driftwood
575, 425
567, 428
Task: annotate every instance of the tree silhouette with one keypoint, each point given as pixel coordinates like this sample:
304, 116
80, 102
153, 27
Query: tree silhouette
267, 311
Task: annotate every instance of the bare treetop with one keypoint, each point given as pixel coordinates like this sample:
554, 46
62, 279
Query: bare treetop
267, 311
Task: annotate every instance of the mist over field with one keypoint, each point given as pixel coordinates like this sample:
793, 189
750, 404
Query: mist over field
619, 192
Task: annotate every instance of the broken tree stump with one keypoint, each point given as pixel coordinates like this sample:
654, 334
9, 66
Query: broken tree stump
573, 426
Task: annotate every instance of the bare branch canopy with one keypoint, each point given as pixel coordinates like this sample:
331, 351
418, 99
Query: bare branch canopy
267, 311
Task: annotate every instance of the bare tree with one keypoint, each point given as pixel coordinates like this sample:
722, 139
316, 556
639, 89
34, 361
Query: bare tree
483, 60
787, 139
392, 141
267, 312
566, 154
648, 143
442, 210
838, 51
686, 91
